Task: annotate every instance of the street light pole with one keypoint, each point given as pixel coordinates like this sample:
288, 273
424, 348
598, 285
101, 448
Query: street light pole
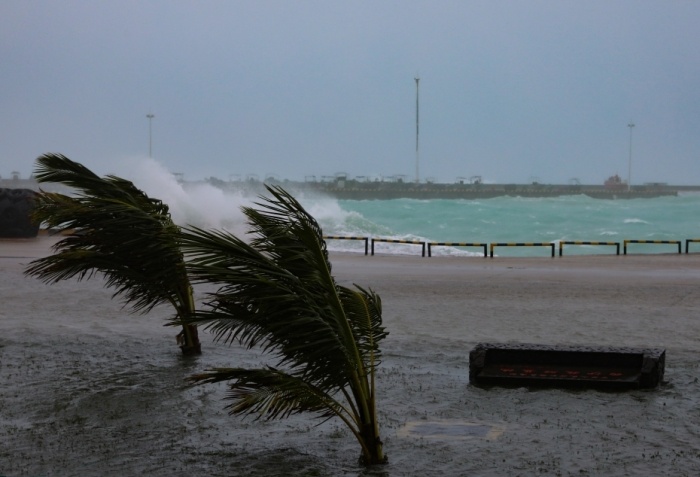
150, 117
629, 166
417, 123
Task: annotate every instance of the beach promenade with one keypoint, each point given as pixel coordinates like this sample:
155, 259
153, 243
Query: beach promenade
88, 389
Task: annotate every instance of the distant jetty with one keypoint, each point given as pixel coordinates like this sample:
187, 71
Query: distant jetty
344, 188
352, 189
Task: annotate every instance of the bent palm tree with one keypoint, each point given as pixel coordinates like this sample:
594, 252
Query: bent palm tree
278, 292
116, 229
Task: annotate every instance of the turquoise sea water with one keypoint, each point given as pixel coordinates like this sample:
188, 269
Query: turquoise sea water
513, 219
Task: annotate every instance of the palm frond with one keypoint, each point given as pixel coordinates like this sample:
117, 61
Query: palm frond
270, 393
363, 309
277, 292
57, 168
115, 229
261, 303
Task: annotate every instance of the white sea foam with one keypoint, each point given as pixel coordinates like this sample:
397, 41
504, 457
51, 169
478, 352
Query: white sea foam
199, 204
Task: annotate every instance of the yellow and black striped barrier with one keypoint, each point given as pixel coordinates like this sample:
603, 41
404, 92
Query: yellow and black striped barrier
343, 237
411, 242
576, 242
672, 242
509, 244
522, 244
687, 241
457, 244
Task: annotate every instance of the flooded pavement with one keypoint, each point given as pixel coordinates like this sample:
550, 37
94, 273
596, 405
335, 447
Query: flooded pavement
89, 390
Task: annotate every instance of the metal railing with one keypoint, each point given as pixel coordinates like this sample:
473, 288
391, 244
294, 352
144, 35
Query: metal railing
672, 242
576, 242
493, 245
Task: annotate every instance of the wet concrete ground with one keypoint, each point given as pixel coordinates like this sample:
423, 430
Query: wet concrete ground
89, 390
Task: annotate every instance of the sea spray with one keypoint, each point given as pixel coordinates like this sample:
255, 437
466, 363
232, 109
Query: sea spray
191, 203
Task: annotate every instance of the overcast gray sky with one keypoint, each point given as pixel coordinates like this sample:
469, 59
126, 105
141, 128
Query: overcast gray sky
512, 91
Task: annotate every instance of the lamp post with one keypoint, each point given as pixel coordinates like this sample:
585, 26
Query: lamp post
629, 165
417, 153
150, 117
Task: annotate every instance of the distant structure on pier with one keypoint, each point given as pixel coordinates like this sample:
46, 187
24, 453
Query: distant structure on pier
343, 187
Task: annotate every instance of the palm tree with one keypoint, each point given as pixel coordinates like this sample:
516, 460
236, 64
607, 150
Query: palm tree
277, 292
115, 229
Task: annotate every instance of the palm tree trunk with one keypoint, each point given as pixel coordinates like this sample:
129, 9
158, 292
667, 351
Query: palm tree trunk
372, 450
190, 340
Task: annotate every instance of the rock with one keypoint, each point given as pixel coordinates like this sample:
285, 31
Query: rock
15, 213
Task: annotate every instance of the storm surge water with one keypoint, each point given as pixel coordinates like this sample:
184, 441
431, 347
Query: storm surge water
500, 219
516, 219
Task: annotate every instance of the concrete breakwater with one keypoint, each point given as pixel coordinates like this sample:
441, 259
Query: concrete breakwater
385, 190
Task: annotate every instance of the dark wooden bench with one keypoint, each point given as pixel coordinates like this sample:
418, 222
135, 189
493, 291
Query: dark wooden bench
566, 366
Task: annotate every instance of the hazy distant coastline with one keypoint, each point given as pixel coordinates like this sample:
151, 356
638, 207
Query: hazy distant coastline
343, 188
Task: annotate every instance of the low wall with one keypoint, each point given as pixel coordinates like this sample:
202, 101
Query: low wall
15, 213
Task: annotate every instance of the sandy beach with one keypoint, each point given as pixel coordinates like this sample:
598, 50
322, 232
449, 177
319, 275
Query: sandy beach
88, 389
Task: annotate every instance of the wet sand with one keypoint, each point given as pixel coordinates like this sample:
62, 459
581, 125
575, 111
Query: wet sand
88, 389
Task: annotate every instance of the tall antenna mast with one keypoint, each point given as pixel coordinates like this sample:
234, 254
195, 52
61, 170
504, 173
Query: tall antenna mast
150, 117
417, 130
629, 164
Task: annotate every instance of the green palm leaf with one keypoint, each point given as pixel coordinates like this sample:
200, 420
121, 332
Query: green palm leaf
277, 292
115, 229
271, 393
